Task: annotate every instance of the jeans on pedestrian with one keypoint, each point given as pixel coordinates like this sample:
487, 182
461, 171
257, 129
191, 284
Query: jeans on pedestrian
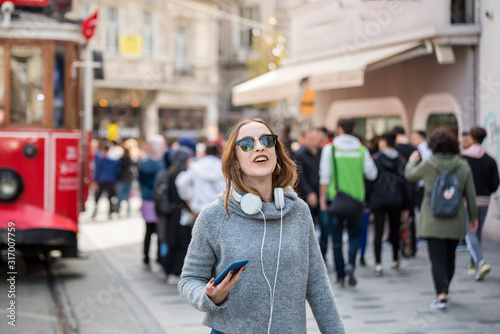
123, 193
353, 230
326, 232
474, 239
363, 237
215, 332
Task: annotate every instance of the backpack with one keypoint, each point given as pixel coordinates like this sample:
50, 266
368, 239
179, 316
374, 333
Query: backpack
446, 197
163, 206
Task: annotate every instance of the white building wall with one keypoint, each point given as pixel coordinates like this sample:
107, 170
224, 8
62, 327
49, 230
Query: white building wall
489, 98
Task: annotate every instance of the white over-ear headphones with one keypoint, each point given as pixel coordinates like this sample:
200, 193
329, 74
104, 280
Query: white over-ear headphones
252, 204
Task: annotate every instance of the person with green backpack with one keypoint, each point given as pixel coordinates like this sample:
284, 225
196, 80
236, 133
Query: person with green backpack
447, 181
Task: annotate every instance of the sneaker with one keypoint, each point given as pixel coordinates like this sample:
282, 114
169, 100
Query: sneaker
362, 261
471, 270
438, 304
378, 270
339, 284
482, 271
396, 264
173, 279
349, 271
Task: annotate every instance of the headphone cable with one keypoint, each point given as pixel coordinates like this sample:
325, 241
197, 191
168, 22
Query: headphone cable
273, 290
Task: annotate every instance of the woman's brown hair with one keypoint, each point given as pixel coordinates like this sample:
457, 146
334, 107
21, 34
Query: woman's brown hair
284, 176
444, 140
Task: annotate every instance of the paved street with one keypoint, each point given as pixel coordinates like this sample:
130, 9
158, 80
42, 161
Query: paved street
112, 293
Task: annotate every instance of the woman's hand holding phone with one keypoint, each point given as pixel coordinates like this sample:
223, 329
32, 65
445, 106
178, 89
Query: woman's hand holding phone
218, 293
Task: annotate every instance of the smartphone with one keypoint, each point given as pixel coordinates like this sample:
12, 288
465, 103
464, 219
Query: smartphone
235, 267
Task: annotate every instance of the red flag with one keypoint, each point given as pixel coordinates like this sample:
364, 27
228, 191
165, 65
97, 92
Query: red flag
89, 25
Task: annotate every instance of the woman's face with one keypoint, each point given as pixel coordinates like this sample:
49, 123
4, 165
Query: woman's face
260, 162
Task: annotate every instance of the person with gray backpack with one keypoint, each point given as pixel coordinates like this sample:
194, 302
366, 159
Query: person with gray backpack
447, 181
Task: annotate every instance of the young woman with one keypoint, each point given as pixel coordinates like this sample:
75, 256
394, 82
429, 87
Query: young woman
443, 234
271, 228
148, 168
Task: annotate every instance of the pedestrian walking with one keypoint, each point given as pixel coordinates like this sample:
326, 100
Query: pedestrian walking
353, 163
175, 232
147, 169
443, 233
486, 181
405, 149
125, 178
202, 181
307, 160
387, 197
259, 219
106, 173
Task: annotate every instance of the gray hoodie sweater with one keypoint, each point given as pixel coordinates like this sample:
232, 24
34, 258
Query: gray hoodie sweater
219, 240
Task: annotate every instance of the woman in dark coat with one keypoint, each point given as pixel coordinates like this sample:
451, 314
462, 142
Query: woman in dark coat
176, 236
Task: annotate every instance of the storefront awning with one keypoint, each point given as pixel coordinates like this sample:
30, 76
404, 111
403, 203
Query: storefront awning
344, 71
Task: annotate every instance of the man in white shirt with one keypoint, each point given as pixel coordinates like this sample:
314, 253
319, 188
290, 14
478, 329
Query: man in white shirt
202, 181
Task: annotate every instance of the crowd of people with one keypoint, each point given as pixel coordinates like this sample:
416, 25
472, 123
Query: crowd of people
209, 211
395, 183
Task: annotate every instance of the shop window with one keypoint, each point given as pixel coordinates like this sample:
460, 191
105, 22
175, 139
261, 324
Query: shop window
181, 122
127, 119
371, 127
437, 120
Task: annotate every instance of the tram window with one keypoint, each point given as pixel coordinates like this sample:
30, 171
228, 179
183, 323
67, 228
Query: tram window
59, 95
26, 89
2, 88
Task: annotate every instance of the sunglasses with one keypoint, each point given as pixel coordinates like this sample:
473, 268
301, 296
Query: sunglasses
247, 144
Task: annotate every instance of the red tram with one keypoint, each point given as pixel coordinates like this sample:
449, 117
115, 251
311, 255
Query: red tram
41, 141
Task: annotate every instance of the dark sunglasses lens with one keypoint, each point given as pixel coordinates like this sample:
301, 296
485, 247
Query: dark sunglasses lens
268, 140
246, 144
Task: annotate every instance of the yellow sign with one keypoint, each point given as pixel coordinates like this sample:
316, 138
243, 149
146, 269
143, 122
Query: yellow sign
307, 103
130, 45
113, 131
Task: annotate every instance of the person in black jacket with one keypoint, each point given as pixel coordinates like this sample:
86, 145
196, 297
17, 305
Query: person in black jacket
171, 229
387, 196
486, 181
125, 178
404, 148
307, 160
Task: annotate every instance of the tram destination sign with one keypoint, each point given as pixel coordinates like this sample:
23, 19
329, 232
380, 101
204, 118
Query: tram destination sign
29, 3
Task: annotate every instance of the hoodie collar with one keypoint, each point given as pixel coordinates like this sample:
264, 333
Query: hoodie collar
475, 151
346, 142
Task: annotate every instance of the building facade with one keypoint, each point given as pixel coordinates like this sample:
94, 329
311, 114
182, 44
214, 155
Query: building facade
160, 67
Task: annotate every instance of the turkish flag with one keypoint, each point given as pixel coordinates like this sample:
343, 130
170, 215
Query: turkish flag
89, 25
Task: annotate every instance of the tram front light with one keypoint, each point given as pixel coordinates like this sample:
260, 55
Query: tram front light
11, 185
